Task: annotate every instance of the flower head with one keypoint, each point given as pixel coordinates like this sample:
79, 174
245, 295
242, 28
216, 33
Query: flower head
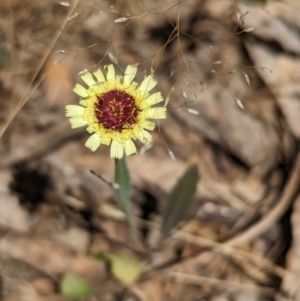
115, 110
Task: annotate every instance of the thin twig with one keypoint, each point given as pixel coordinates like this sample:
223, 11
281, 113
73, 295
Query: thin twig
201, 280
290, 190
110, 184
112, 212
230, 251
28, 91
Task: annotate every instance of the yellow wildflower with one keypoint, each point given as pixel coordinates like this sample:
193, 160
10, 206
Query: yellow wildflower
115, 110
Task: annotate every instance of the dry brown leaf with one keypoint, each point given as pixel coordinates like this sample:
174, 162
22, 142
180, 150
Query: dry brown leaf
280, 24
283, 82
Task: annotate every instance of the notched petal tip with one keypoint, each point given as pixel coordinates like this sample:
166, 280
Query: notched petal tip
148, 125
158, 113
88, 79
110, 72
130, 148
80, 90
148, 84
99, 75
93, 142
77, 122
130, 74
74, 111
116, 150
145, 137
154, 98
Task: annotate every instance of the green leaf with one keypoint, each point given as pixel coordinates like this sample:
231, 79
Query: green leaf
73, 286
180, 200
4, 58
122, 187
124, 267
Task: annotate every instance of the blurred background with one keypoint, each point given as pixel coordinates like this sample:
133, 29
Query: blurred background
229, 73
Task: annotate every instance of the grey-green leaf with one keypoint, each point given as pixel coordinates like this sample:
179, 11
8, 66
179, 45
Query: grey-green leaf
255, 2
73, 286
122, 190
180, 200
4, 58
122, 186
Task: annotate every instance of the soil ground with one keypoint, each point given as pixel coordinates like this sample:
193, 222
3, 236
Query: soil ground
229, 73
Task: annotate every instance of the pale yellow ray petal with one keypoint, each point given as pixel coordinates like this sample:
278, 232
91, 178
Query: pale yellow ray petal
145, 137
82, 102
148, 125
91, 129
88, 79
77, 122
74, 111
93, 142
110, 72
147, 84
130, 74
80, 90
157, 113
129, 147
99, 75
154, 98
116, 150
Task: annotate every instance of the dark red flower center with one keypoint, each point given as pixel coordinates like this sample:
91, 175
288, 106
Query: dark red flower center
116, 110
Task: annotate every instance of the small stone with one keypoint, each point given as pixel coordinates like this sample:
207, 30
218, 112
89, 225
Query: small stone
75, 237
